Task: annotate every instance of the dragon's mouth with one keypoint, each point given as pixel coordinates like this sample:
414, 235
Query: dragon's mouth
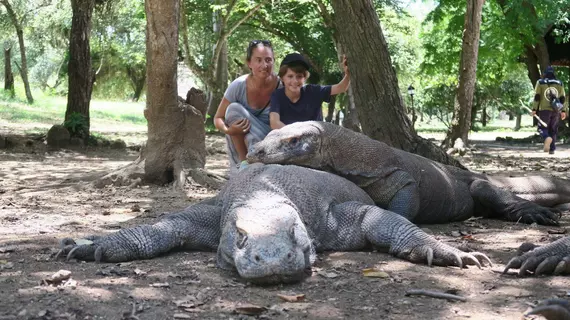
281, 278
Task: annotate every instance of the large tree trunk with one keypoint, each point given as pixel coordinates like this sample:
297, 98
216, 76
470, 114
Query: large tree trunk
461, 123
8, 76
373, 80
79, 70
176, 134
20, 33
350, 119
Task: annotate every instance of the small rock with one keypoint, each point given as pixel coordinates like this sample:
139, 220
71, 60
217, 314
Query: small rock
118, 144
58, 137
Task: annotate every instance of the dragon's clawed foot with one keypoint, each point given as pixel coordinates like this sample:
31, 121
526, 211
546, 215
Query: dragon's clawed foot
538, 214
550, 259
552, 309
444, 255
82, 249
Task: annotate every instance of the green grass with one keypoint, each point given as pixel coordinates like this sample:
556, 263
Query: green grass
51, 110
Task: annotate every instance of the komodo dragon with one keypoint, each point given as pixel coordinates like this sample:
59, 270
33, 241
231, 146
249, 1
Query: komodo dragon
419, 189
422, 190
269, 220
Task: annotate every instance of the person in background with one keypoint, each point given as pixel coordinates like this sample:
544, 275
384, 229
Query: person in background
243, 113
550, 104
296, 101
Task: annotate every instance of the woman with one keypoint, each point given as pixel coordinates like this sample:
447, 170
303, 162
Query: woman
243, 113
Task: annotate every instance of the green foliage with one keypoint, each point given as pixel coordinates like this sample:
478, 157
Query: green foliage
76, 124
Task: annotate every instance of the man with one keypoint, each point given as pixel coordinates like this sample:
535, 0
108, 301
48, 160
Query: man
550, 104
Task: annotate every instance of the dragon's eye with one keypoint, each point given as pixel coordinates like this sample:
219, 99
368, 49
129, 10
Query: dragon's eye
241, 239
293, 140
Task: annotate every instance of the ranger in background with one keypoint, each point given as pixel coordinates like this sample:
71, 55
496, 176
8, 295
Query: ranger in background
550, 105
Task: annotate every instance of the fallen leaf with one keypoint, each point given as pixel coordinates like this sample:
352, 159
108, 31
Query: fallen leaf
374, 273
57, 278
182, 316
139, 272
250, 310
295, 298
160, 285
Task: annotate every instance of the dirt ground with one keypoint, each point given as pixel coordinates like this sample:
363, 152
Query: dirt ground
47, 195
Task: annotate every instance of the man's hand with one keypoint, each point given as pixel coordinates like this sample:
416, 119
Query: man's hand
562, 115
533, 113
239, 127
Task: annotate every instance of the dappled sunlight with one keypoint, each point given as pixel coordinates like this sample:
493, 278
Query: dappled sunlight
147, 293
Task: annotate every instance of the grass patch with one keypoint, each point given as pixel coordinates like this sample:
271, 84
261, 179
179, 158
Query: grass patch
51, 110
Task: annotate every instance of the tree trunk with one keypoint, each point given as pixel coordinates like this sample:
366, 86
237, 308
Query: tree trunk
176, 134
484, 117
373, 80
531, 63
20, 33
8, 75
518, 122
330, 109
220, 83
138, 78
350, 119
467, 74
79, 69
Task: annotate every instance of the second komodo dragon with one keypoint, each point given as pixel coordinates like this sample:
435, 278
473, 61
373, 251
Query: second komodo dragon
422, 190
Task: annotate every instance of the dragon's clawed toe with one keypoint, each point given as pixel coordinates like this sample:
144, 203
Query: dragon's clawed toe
539, 264
82, 249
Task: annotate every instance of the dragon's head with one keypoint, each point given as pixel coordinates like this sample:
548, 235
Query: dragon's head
298, 143
268, 250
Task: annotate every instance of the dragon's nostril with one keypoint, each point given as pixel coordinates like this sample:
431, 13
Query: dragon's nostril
257, 258
289, 255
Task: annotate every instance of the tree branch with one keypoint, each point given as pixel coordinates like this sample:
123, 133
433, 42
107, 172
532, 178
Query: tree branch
188, 59
12, 14
229, 9
225, 34
325, 14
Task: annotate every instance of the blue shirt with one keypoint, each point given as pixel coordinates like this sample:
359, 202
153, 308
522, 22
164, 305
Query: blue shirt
308, 107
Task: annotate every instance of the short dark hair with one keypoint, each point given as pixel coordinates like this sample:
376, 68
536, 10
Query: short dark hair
255, 43
297, 68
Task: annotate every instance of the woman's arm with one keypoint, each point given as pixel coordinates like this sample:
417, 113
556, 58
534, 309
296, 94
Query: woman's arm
342, 86
236, 128
219, 118
275, 121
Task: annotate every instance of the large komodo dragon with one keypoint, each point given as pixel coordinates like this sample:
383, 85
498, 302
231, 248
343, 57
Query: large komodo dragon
422, 190
269, 220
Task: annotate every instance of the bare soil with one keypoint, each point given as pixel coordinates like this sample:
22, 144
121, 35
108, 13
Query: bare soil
47, 195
